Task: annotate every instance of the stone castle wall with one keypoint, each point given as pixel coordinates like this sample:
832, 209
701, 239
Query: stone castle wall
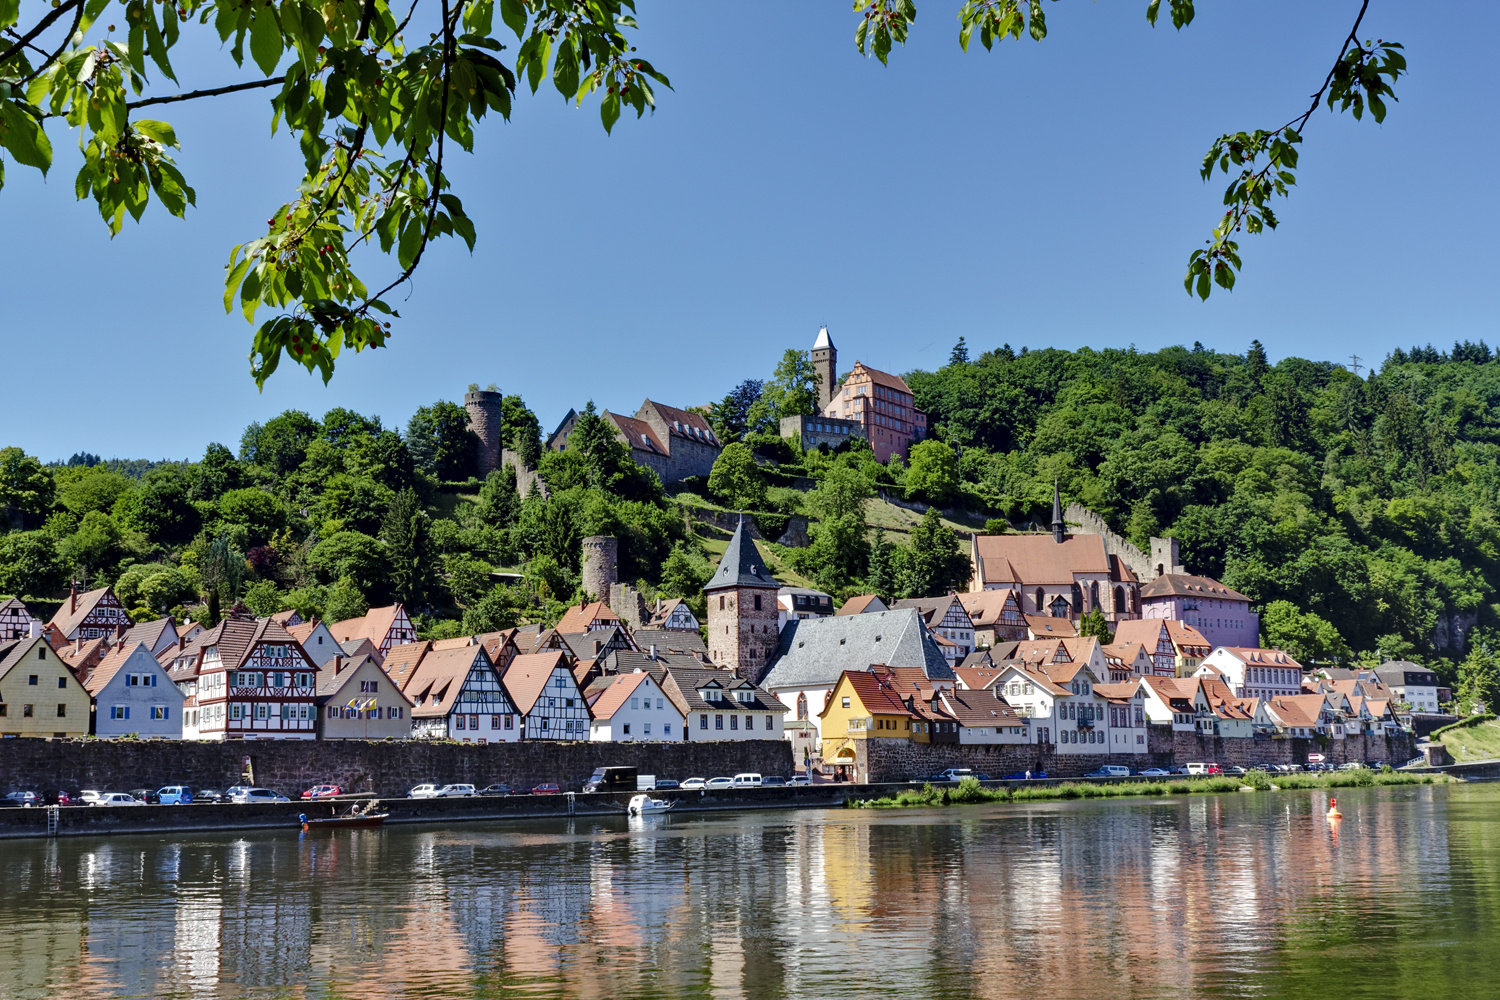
1090, 523
386, 768
900, 760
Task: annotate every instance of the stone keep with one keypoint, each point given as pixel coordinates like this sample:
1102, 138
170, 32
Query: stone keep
601, 565
486, 413
743, 626
825, 360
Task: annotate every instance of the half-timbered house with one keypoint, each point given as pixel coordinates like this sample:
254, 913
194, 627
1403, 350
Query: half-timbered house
1153, 634
384, 627
947, 619
455, 691
545, 692
91, 615
674, 616
16, 621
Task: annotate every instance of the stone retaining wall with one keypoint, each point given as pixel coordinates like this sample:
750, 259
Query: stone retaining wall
899, 760
385, 768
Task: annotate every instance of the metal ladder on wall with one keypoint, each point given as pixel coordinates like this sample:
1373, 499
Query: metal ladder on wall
54, 820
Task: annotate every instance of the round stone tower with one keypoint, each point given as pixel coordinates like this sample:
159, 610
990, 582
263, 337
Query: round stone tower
601, 565
486, 411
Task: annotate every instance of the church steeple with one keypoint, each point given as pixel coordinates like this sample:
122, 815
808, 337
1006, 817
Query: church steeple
1059, 526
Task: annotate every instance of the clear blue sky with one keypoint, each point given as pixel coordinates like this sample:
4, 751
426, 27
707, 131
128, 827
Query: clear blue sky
1044, 195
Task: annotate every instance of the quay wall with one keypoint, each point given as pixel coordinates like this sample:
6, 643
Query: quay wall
879, 760
386, 768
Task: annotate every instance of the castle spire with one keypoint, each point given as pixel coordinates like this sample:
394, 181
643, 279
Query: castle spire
1059, 526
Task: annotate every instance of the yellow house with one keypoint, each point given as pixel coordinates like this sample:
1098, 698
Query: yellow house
862, 706
39, 696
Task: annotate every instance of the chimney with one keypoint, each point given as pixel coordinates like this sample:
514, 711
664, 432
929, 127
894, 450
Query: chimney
73, 596
181, 643
653, 651
34, 629
338, 662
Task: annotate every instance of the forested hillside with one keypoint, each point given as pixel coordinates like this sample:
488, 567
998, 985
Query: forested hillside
1361, 514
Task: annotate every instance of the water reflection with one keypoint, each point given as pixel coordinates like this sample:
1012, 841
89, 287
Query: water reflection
1222, 896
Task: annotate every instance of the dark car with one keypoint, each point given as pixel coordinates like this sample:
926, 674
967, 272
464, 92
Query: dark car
665, 784
147, 795
209, 795
768, 780
58, 798
546, 788
21, 799
1022, 776
983, 777
495, 790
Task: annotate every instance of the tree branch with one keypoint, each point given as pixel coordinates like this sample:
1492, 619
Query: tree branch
42, 66
210, 92
41, 26
1317, 98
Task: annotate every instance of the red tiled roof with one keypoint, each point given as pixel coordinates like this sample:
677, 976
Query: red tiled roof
858, 604
637, 433
1184, 585
882, 378
581, 618
527, 676
986, 606
374, 626
875, 694
1045, 625
614, 696
1039, 559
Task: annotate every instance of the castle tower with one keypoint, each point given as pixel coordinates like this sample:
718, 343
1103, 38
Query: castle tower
486, 412
601, 565
742, 612
1166, 557
825, 359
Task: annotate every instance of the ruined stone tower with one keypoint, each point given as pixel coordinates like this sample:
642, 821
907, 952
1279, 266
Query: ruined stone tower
825, 359
601, 565
486, 412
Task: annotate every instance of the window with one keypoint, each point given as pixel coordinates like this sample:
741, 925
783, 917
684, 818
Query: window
235, 711
734, 722
757, 602
846, 701
62, 710
545, 723
558, 682
666, 727
460, 723
62, 683
625, 729
25, 711
262, 711
494, 722
158, 711
646, 729
120, 712
473, 722
635, 703
333, 713
749, 722
718, 722
32, 681
508, 721
802, 706
703, 722
721, 602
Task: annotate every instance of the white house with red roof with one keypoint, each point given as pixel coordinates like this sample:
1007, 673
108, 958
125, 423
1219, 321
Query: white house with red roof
384, 627
1252, 672
635, 708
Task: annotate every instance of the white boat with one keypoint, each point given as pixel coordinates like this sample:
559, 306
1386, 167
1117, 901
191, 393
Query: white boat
640, 805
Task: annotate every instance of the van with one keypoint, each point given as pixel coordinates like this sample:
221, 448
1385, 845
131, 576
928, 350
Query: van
1197, 769
1110, 771
645, 782
747, 780
611, 779
175, 795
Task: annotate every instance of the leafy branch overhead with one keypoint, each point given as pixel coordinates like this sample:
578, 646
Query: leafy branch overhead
378, 96
1361, 78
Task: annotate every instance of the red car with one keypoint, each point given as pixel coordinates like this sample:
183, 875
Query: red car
547, 789
322, 792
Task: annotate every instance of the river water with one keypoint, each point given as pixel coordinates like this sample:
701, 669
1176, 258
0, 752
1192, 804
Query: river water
1204, 896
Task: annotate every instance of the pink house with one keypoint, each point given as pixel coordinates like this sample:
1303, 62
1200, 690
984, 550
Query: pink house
1221, 615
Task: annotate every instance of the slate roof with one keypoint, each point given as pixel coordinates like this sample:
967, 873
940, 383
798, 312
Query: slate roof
682, 684
813, 652
1186, 585
667, 640
974, 709
741, 565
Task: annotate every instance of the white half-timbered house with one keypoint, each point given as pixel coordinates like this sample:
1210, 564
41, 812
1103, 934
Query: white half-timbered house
384, 627
246, 678
456, 693
16, 621
1153, 634
91, 615
947, 619
675, 616
546, 694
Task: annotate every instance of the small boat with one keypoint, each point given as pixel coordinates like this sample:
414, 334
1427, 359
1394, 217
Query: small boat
362, 815
640, 805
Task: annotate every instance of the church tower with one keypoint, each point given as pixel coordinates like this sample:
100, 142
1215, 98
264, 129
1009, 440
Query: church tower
1059, 526
825, 359
742, 613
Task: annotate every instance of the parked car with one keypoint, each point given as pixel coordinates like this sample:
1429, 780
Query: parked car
322, 792
952, 774
612, 779
209, 795
983, 777
800, 779
1235, 770
773, 780
117, 799
1376, 765
1110, 771
666, 784
692, 784
459, 791
423, 792
232, 791
1156, 772
23, 799
719, 783
89, 796
58, 798
174, 795
259, 795
1024, 775
748, 779
495, 790
546, 788
146, 795
1353, 765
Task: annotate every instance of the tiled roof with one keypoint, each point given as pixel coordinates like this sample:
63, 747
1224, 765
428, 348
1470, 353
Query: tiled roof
1184, 585
527, 676
683, 683
1123, 691
111, 664
1038, 559
73, 612
442, 672
976, 678
638, 433
884, 378
669, 640
683, 422
374, 626
813, 652
1144, 631
13, 651
973, 709
1047, 626
402, 661
934, 609
582, 617
986, 606
875, 693
620, 688
860, 603
1187, 639
1300, 710
1262, 657
742, 565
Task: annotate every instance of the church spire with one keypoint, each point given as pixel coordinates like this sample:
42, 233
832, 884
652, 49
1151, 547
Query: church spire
1059, 526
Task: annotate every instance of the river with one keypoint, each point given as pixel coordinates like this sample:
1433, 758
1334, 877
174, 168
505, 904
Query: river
1238, 895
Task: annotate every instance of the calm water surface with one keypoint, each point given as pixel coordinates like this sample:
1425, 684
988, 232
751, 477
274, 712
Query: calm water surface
1209, 896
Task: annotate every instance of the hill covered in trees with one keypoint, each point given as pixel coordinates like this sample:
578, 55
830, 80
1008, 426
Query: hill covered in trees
1361, 514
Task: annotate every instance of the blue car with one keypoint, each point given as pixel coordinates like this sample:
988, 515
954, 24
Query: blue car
175, 795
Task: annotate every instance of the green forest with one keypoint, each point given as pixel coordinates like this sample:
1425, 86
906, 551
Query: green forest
1361, 514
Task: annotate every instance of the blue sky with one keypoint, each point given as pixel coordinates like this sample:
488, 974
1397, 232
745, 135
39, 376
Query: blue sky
1041, 194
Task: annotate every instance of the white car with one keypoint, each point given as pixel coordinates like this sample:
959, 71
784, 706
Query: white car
800, 779
720, 783
89, 796
423, 792
456, 791
258, 795
692, 784
115, 799
749, 779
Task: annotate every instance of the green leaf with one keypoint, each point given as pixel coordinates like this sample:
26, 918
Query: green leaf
1203, 285
266, 43
10, 12
335, 96
232, 283
250, 294
160, 131
24, 138
411, 241
513, 13
565, 69
609, 111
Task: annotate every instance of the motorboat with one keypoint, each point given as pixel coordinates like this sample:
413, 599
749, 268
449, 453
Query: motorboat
641, 805
361, 815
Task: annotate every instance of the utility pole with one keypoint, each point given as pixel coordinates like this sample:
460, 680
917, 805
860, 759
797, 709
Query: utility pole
1355, 366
